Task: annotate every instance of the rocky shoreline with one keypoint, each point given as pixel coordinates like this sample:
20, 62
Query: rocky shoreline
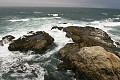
91, 56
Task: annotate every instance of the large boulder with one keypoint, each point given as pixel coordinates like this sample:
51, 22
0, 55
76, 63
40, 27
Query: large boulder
38, 42
92, 63
88, 36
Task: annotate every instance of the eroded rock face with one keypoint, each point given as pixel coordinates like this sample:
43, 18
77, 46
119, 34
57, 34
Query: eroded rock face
94, 62
88, 36
37, 42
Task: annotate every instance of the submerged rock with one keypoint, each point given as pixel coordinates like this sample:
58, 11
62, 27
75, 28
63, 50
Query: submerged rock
93, 62
1, 43
37, 42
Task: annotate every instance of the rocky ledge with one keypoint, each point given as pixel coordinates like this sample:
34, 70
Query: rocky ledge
88, 36
90, 55
38, 42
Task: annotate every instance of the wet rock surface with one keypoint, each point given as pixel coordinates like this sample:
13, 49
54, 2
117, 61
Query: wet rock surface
91, 55
38, 42
88, 36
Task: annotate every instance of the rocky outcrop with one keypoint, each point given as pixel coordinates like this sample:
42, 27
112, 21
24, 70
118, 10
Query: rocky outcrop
6, 39
91, 55
88, 36
38, 42
56, 27
95, 63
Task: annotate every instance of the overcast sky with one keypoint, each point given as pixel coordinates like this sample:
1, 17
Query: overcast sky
63, 3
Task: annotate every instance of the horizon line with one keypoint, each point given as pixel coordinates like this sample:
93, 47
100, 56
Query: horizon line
57, 7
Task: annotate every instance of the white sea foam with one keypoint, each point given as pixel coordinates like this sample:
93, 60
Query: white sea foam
21, 12
117, 15
18, 20
57, 17
4, 51
43, 18
104, 13
111, 24
37, 12
54, 15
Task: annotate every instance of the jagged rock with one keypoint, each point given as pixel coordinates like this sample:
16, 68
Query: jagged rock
95, 63
30, 32
56, 27
117, 44
6, 39
37, 42
88, 36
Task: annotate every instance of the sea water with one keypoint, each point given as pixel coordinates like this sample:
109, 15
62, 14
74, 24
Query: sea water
18, 21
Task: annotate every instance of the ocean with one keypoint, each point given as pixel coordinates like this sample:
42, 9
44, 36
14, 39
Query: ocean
18, 21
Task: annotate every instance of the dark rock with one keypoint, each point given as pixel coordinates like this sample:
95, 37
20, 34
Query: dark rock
117, 44
89, 36
56, 27
64, 23
30, 32
20, 71
37, 42
6, 39
1, 43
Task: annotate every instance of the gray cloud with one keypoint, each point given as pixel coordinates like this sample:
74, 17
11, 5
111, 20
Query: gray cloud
63, 3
